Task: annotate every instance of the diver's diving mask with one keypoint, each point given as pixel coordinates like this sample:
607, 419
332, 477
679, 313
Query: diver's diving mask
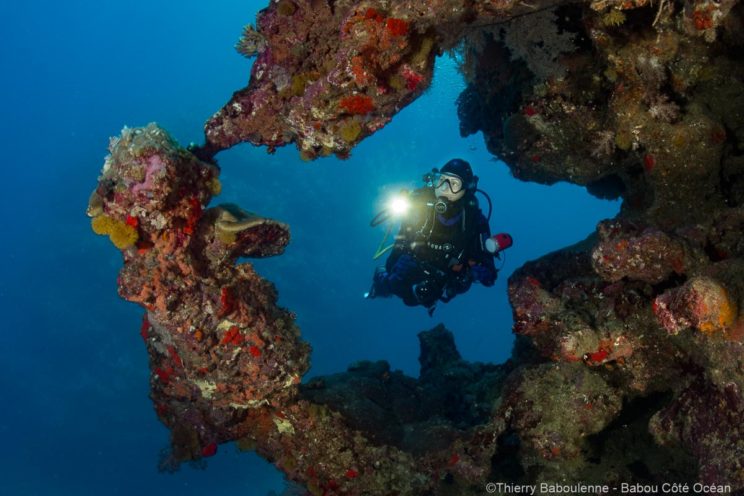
450, 187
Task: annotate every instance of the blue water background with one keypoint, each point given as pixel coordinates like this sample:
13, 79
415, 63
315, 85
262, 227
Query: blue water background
76, 418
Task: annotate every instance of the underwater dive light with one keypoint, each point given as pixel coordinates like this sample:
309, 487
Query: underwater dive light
399, 205
498, 242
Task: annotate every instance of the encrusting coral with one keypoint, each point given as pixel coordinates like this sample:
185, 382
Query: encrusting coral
651, 302
218, 343
319, 62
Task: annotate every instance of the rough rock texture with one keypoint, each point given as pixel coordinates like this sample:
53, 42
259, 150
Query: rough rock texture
329, 73
218, 344
629, 359
707, 421
648, 105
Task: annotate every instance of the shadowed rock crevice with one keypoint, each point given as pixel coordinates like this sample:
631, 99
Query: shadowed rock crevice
626, 445
624, 451
450, 397
638, 99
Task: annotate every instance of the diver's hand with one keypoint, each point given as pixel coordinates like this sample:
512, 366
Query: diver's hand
483, 274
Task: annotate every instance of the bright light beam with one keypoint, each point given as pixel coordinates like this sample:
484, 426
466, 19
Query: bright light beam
399, 206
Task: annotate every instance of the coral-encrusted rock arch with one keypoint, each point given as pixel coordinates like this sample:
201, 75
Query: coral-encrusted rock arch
226, 361
629, 363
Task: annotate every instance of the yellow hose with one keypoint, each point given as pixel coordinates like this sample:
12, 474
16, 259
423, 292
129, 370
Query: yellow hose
381, 249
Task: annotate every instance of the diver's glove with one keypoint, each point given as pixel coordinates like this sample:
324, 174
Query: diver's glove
483, 274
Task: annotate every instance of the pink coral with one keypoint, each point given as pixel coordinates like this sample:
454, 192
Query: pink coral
154, 165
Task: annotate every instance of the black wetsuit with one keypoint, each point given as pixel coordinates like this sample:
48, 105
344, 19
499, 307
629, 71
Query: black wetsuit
444, 246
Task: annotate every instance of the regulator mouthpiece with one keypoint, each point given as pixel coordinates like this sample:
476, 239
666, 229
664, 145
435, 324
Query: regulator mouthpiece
498, 242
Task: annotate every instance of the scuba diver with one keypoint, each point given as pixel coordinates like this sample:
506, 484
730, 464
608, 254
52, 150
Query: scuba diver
444, 243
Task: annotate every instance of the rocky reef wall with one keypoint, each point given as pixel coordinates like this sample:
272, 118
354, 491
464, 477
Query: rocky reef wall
643, 102
630, 104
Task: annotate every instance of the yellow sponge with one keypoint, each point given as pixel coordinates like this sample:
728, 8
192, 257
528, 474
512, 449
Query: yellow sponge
121, 234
